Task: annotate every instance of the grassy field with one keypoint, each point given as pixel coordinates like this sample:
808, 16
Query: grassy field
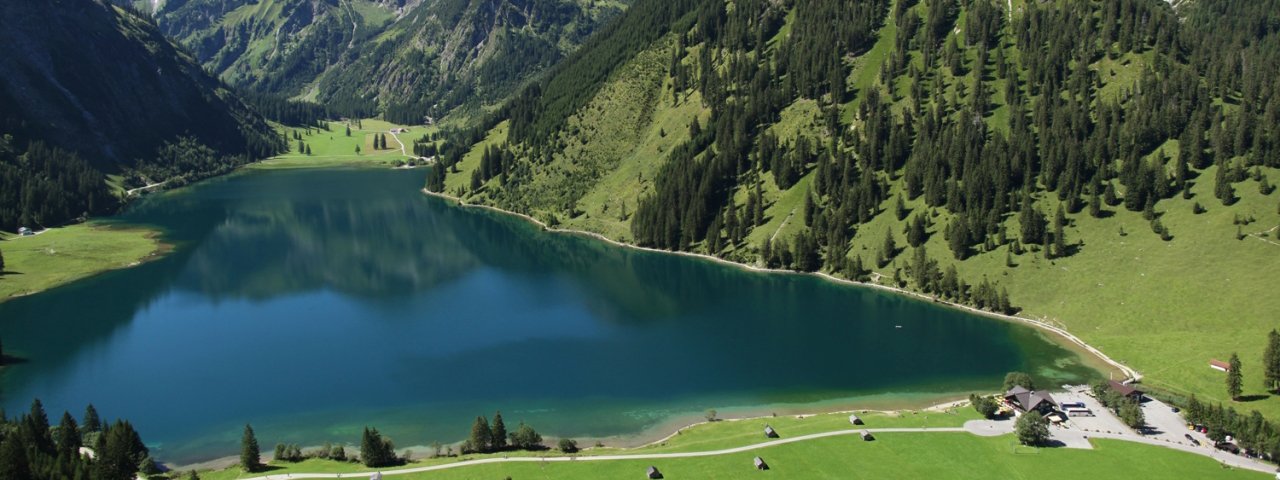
65, 254
891, 455
333, 147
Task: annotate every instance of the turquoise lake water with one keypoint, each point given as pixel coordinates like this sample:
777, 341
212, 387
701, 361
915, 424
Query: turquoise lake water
311, 303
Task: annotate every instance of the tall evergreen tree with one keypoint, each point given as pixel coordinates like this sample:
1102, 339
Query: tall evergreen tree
68, 440
91, 422
498, 432
250, 457
1271, 362
1235, 379
481, 436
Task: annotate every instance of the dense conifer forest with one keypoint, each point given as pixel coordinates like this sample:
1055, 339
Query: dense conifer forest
1001, 123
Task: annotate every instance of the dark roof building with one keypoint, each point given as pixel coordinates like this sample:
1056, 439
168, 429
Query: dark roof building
770, 432
760, 465
653, 472
1023, 400
1126, 390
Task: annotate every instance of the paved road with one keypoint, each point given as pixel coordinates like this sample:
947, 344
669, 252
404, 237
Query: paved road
975, 427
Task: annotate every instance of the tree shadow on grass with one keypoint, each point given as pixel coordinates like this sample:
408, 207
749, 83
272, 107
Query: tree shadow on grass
1253, 398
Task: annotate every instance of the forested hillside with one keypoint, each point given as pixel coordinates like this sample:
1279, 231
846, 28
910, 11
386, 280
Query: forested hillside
1091, 164
407, 59
92, 89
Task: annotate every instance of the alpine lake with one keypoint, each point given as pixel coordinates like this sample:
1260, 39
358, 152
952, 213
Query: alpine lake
314, 302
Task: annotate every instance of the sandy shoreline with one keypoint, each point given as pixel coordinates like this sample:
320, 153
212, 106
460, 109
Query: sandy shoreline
1054, 331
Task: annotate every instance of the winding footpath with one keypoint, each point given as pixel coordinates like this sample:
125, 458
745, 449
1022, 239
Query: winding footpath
982, 428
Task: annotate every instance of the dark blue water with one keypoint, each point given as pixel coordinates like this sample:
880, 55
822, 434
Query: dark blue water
314, 302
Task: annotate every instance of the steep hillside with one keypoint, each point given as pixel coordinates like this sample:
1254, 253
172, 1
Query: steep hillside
1095, 165
408, 58
107, 93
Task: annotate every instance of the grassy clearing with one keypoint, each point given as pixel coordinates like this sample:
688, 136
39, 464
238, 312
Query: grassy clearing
65, 254
332, 147
892, 455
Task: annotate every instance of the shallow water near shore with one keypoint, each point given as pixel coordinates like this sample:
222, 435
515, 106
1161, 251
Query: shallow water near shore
311, 303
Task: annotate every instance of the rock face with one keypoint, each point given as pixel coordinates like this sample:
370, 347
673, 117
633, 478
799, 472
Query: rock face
102, 81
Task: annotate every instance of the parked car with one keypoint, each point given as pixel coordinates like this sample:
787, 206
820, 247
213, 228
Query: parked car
1176, 409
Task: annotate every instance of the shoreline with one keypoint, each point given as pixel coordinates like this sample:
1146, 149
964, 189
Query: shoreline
1069, 339
644, 439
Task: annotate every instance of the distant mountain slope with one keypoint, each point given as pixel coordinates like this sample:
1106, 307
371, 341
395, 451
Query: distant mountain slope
411, 57
103, 82
89, 78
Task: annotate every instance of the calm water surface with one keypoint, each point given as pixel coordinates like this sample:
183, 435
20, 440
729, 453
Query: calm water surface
314, 302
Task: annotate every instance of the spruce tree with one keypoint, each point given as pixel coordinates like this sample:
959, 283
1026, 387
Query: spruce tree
1, 262
69, 441
1235, 380
498, 432
481, 436
1271, 362
91, 422
348, 130
250, 458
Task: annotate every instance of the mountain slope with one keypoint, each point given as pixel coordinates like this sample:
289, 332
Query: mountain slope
107, 93
409, 58
1090, 164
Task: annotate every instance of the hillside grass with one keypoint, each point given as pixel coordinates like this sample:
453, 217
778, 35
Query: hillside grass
65, 254
891, 455
1163, 308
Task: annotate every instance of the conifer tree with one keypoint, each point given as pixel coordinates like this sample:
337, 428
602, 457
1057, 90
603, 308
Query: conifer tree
91, 422
481, 436
1235, 381
498, 432
250, 458
69, 441
1271, 361
1, 262
348, 130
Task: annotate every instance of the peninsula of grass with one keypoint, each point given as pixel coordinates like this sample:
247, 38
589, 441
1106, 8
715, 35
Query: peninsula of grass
65, 254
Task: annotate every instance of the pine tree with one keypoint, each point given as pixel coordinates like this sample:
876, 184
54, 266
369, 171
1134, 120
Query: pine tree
1, 262
1271, 361
481, 436
91, 422
357, 149
498, 432
308, 149
250, 458
69, 441
348, 130
1235, 382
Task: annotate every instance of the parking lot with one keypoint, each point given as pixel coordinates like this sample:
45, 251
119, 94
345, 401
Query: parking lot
1102, 421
